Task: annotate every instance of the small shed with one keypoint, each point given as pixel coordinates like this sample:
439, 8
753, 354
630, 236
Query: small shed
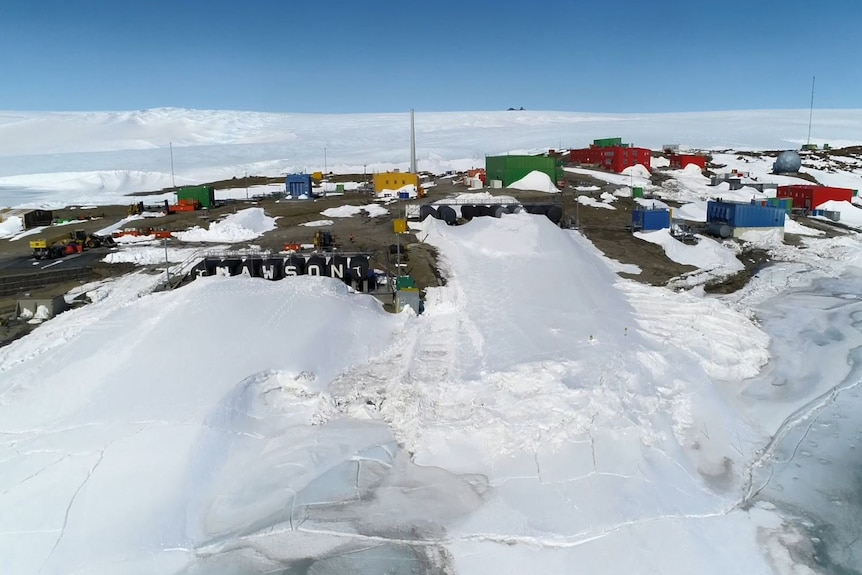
30, 218
40, 308
644, 220
298, 185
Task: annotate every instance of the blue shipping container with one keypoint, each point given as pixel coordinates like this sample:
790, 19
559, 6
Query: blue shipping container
738, 215
298, 185
403, 195
650, 220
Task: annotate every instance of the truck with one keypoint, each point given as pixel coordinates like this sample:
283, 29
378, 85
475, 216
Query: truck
69, 243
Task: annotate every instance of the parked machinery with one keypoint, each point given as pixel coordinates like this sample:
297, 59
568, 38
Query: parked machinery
70, 243
141, 207
323, 240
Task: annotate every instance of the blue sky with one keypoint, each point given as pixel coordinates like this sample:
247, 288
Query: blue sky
387, 56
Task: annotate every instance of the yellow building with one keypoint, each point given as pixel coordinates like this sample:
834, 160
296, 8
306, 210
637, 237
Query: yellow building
394, 181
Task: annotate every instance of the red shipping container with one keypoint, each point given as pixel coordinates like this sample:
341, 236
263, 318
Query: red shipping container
809, 196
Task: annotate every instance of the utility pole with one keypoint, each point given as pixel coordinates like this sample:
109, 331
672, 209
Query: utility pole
173, 180
167, 265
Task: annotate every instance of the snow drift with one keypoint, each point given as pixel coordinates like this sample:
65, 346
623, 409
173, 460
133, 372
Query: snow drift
242, 226
535, 181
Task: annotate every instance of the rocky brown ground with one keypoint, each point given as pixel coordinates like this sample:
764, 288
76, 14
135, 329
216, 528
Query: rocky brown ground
607, 229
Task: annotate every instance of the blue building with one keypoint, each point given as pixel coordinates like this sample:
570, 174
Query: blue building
726, 219
298, 185
649, 220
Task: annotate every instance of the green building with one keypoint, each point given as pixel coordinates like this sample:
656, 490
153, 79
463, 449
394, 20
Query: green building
510, 169
608, 142
205, 195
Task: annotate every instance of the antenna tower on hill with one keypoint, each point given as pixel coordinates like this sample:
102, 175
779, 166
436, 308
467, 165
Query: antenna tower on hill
811, 112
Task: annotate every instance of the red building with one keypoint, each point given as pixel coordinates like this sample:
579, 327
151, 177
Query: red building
613, 158
809, 196
679, 161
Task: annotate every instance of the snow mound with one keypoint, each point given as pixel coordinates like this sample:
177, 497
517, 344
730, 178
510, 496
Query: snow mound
692, 211
765, 238
850, 214
318, 223
692, 170
638, 171
794, 227
707, 254
129, 240
149, 255
535, 181
372, 210
242, 226
11, 227
479, 198
594, 203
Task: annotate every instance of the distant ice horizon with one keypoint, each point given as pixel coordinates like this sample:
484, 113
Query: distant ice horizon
96, 157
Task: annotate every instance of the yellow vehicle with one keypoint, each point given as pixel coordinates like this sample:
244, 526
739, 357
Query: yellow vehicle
70, 243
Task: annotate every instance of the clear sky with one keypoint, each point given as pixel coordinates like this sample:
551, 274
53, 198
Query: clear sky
334, 56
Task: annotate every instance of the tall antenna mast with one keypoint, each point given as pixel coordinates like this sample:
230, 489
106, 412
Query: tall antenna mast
173, 179
412, 144
811, 112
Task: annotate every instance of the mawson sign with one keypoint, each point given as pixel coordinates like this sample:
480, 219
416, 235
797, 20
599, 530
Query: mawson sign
352, 269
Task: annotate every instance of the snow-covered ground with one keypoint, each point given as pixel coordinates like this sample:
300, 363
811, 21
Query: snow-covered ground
543, 415
250, 454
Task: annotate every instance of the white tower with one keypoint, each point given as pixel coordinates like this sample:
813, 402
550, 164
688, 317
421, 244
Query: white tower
412, 144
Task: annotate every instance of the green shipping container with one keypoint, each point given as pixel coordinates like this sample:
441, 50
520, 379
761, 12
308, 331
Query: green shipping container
608, 142
339, 188
637, 192
405, 282
510, 169
205, 195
